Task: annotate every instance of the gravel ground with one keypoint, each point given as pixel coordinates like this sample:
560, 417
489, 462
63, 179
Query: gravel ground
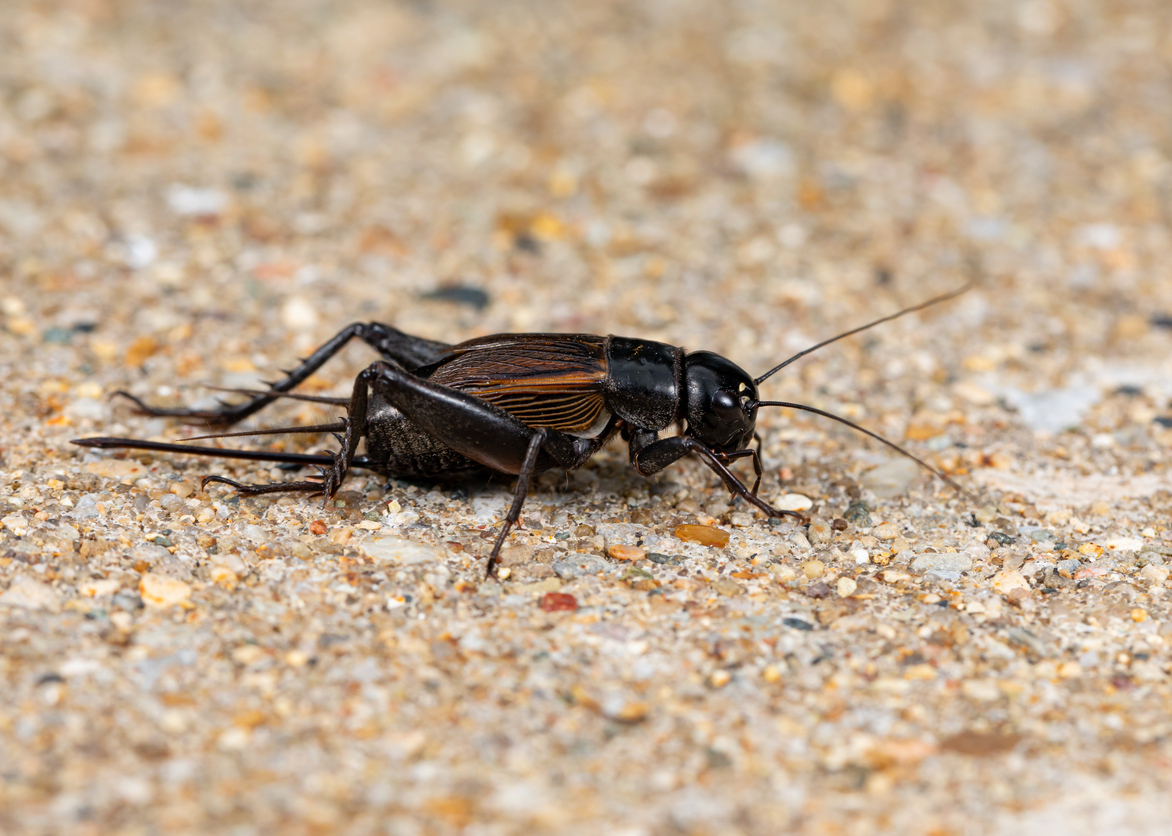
194, 194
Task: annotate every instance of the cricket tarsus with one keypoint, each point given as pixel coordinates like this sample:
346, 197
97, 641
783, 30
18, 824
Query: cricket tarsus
255, 490
518, 404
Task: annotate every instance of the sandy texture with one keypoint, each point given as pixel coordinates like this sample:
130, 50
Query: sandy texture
197, 193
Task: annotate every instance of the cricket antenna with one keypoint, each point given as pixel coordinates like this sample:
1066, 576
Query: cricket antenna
939, 474
933, 301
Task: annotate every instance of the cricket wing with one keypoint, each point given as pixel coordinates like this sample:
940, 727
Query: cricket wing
554, 381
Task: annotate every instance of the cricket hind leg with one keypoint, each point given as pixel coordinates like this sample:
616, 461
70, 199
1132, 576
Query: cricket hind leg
247, 489
330, 476
391, 343
477, 430
482, 433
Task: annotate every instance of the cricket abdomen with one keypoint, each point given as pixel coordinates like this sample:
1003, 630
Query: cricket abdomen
397, 447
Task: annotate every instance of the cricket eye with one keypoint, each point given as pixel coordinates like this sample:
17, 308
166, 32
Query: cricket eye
724, 404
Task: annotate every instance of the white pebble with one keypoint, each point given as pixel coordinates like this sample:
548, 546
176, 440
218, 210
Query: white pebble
31, 595
189, 202
298, 313
794, 502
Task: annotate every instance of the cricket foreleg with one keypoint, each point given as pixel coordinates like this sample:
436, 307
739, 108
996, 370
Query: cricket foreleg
528, 469
650, 455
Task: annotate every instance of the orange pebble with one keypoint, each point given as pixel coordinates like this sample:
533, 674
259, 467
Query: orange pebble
705, 535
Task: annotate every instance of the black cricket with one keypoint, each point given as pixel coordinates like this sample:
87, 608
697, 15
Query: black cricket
518, 404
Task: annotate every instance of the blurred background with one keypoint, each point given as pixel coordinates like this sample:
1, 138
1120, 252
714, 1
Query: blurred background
739, 176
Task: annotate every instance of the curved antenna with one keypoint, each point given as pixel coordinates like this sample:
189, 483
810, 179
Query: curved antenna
933, 301
875, 436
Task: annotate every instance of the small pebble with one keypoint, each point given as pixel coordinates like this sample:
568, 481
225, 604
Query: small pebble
87, 409
1123, 544
859, 514
1070, 670
1027, 640
558, 602
720, 678
140, 351
820, 532
846, 587
985, 514
664, 559
182, 489
395, 550
162, 590
99, 588
784, 574
578, 565
946, 565
31, 595
14, 523
222, 576
254, 533
1052, 410
728, 587
189, 201
1040, 536
127, 601
317, 527
1008, 580
299, 314
625, 710
886, 531
1154, 575
981, 690
705, 535
472, 297
794, 502
813, 569
622, 552
890, 479
85, 509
